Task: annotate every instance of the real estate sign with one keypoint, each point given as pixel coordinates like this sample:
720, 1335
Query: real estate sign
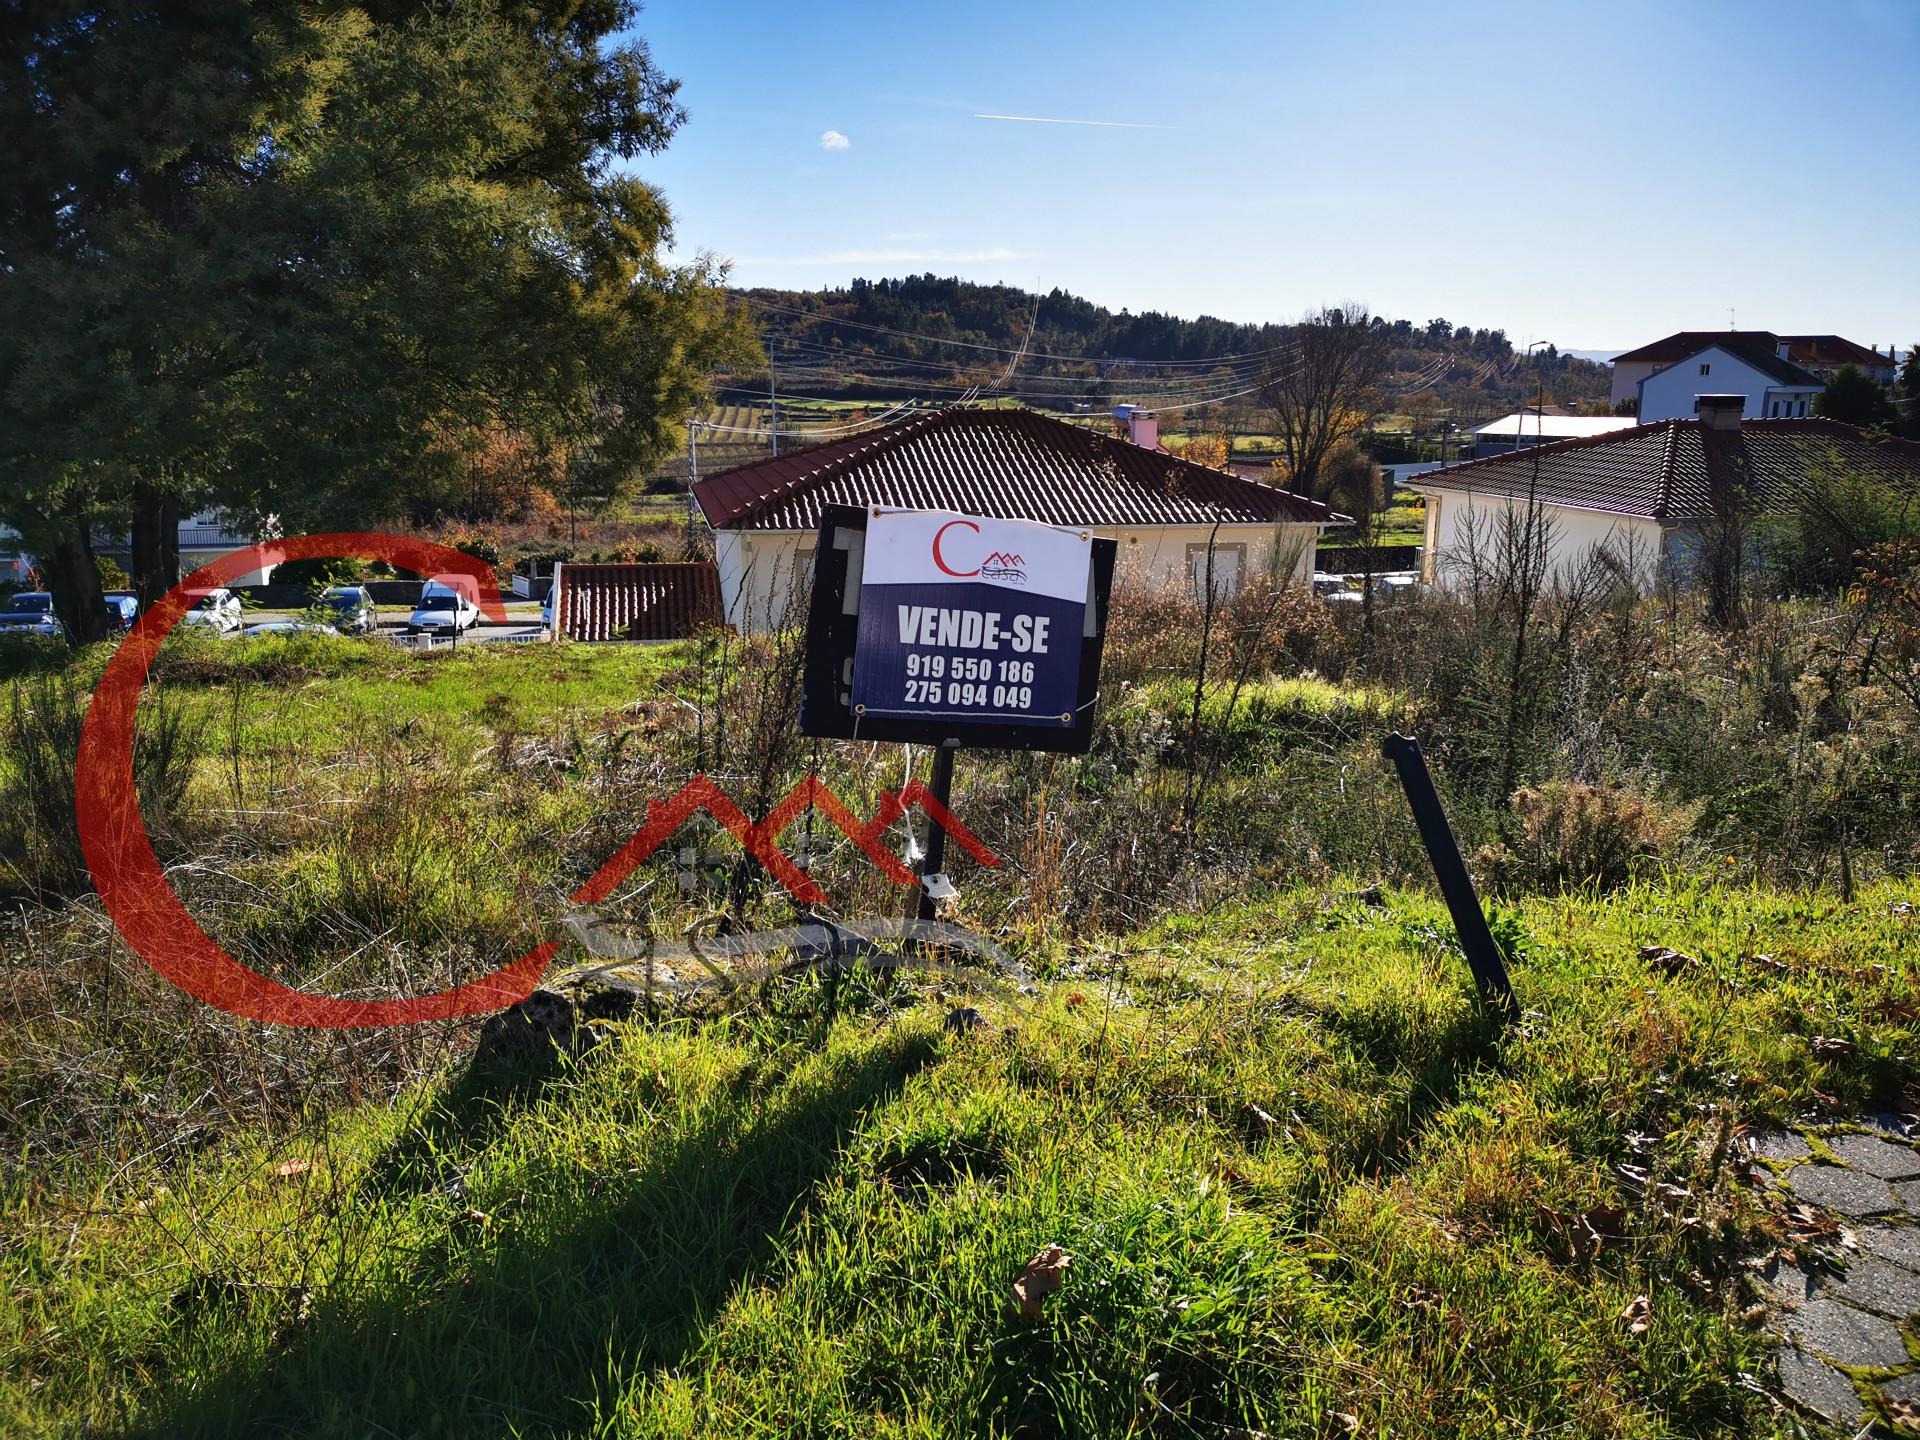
972, 620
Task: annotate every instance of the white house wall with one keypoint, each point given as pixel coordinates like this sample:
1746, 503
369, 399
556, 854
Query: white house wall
1576, 534
1669, 394
763, 572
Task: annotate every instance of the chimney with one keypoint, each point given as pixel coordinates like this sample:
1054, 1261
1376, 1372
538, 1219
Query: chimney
1719, 412
1143, 429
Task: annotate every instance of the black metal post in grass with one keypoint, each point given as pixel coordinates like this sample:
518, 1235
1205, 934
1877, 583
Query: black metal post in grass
1483, 955
940, 786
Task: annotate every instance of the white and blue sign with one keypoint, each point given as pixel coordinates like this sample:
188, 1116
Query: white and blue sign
967, 618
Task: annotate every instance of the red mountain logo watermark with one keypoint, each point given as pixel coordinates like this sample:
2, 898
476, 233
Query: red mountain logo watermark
134, 890
1002, 566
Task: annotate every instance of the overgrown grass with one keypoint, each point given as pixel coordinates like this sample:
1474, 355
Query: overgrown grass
1300, 1177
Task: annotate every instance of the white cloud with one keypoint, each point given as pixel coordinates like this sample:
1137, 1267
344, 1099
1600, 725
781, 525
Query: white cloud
888, 257
834, 140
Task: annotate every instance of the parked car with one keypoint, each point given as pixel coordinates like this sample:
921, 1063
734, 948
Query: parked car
290, 627
219, 608
546, 611
445, 607
349, 608
124, 607
30, 613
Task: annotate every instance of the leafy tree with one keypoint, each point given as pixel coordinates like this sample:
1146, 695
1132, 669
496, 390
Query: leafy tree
268, 257
1853, 399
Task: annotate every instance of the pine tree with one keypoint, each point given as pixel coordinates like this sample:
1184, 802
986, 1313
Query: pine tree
268, 257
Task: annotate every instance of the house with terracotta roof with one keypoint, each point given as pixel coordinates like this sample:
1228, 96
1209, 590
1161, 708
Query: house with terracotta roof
1012, 464
1645, 493
1817, 355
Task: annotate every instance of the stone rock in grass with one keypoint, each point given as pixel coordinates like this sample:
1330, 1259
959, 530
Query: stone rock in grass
1876, 1156
1898, 1243
1847, 1336
1874, 1284
1815, 1385
1851, 1192
1889, 1122
1778, 1145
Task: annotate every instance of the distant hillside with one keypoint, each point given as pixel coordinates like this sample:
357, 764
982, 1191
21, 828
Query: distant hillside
941, 339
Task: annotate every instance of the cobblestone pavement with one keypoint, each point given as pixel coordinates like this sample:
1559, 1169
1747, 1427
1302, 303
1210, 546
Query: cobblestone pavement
1848, 1310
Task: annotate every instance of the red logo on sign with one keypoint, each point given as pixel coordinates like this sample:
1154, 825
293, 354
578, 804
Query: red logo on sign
134, 889
940, 534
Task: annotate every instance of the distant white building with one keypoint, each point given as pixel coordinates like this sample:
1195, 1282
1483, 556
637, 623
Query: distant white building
203, 539
1818, 356
1525, 427
1773, 387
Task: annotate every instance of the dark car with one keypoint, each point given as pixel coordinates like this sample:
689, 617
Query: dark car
349, 608
124, 607
30, 613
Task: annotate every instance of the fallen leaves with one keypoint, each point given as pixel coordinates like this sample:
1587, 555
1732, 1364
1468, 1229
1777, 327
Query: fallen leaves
1581, 1238
1638, 1315
1831, 1047
1667, 961
1808, 1226
287, 1169
1038, 1278
1904, 1416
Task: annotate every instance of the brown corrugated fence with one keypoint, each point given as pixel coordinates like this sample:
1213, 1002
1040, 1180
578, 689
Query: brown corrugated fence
636, 602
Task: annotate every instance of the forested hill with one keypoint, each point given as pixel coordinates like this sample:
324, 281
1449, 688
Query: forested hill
936, 338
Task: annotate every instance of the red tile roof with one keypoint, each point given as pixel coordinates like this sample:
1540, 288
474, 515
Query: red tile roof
1754, 345
1660, 471
1682, 343
637, 602
1012, 464
1832, 350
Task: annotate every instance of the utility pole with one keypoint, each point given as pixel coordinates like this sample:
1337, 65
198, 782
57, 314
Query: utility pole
773, 400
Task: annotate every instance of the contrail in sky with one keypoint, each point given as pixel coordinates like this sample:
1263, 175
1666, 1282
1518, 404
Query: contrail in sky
1052, 120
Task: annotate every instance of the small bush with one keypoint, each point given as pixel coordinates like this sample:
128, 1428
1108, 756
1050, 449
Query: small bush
1574, 835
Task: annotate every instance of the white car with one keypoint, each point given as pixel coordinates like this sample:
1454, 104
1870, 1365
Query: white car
217, 608
443, 608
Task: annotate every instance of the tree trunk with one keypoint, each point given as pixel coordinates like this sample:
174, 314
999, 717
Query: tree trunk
64, 552
156, 542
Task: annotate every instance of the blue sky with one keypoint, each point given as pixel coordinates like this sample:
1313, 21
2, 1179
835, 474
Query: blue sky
1597, 175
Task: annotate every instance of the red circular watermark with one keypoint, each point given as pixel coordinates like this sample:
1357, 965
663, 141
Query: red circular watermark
127, 874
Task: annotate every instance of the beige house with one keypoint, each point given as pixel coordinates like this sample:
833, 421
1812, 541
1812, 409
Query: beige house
1165, 512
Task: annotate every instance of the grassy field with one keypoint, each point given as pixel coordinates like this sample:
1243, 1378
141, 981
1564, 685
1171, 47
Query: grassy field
1307, 1187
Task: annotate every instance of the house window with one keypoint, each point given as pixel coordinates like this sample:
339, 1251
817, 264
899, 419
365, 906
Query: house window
1228, 563
1803, 407
1773, 410
1706, 369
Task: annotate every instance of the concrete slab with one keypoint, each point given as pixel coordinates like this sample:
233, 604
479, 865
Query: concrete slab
1898, 1243
1876, 1156
1846, 1335
1875, 1284
1851, 1192
1777, 1145
1817, 1386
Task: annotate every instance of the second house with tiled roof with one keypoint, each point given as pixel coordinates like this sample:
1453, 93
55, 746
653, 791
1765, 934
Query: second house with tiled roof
1177, 523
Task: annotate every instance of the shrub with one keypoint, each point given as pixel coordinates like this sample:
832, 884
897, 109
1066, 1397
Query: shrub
1573, 835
